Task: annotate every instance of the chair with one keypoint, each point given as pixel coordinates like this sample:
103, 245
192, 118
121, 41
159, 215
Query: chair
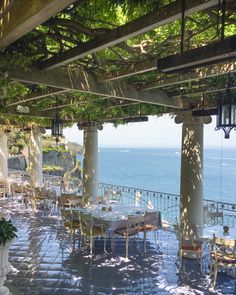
40, 198
70, 223
133, 226
152, 222
223, 255
92, 227
190, 245
215, 217
71, 200
3, 188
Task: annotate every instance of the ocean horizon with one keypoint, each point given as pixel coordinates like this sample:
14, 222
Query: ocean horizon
158, 169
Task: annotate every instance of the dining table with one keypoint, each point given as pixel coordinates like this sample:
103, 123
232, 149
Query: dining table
115, 215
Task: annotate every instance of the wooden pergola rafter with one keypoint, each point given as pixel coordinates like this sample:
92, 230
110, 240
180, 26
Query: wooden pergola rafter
136, 80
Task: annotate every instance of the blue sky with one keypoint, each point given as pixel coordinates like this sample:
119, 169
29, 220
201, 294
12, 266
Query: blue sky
158, 132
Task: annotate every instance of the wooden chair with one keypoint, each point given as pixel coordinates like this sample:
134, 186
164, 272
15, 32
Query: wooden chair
91, 228
133, 226
215, 218
40, 198
3, 188
70, 223
152, 222
190, 245
70, 200
223, 255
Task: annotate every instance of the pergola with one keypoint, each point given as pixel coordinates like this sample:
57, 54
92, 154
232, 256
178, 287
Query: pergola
172, 57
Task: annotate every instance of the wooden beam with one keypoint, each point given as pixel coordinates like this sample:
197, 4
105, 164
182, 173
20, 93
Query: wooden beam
137, 68
25, 15
86, 82
212, 53
123, 104
201, 73
199, 91
38, 95
163, 16
76, 103
33, 113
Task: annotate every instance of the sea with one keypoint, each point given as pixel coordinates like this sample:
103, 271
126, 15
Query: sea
158, 169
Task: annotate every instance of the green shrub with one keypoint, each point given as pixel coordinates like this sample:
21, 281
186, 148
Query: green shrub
7, 231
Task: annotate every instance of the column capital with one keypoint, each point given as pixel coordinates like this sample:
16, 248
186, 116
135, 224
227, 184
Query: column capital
188, 119
90, 125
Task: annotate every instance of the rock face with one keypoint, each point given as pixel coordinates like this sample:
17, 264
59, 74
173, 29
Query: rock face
63, 162
17, 162
63, 159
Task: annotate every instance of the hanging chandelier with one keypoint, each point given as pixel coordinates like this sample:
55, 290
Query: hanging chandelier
226, 106
57, 124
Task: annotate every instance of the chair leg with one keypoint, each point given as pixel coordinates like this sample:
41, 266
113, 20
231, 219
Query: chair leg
71, 239
105, 243
145, 241
91, 245
155, 238
215, 274
126, 246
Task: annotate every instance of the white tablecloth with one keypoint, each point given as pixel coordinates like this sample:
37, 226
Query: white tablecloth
117, 217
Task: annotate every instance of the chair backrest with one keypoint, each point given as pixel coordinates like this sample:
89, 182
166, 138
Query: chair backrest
224, 248
153, 218
190, 239
134, 224
71, 200
66, 215
215, 217
86, 222
76, 201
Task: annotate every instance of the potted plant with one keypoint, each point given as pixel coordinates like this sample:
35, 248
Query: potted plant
7, 236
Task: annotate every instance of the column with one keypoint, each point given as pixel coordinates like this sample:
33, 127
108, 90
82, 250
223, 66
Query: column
191, 178
36, 159
90, 162
3, 156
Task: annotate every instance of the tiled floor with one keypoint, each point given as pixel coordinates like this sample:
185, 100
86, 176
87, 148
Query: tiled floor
42, 263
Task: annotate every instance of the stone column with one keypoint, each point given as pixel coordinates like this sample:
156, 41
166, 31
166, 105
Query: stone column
36, 158
191, 179
90, 162
3, 156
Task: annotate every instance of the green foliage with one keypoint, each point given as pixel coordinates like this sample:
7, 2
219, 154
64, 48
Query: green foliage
17, 142
52, 168
7, 231
92, 19
59, 149
74, 148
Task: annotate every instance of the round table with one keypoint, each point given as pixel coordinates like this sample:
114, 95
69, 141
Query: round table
219, 233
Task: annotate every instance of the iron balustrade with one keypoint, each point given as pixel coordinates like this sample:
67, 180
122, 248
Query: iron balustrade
167, 203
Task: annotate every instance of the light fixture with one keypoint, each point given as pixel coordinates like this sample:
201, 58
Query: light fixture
57, 125
226, 105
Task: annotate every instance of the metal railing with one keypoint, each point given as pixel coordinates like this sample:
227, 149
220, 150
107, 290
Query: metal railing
168, 204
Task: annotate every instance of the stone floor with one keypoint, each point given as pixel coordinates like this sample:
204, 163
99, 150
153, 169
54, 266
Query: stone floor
42, 263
